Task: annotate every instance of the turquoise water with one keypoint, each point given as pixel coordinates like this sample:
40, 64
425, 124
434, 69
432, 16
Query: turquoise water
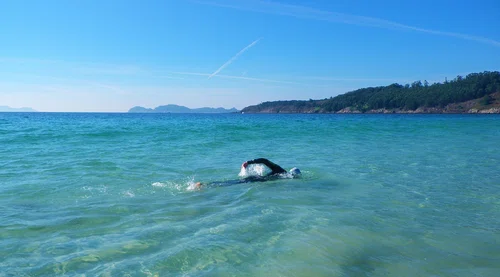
380, 195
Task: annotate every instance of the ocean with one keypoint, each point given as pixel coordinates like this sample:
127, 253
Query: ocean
380, 195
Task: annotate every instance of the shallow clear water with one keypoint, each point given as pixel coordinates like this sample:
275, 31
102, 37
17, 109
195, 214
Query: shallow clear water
380, 195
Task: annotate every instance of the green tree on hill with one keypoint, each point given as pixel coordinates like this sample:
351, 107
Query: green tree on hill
396, 96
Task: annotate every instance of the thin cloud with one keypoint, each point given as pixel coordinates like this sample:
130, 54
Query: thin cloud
259, 80
78, 67
315, 14
61, 84
341, 79
115, 89
126, 70
111, 70
28, 61
234, 58
238, 78
170, 77
189, 73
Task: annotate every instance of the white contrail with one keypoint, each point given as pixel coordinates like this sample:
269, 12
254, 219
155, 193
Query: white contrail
346, 79
315, 14
239, 78
234, 58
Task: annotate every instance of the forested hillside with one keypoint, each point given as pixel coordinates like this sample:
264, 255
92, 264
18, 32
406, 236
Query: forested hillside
472, 93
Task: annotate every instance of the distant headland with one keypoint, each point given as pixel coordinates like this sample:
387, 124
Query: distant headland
180, 109
475, 93
9, 109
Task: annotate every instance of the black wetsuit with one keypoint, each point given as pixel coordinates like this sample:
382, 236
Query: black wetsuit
276, 170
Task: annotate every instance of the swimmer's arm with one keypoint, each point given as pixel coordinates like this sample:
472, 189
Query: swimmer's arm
276, 169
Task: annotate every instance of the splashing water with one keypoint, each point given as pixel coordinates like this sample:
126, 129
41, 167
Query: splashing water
253, 170
192, 186
176, 187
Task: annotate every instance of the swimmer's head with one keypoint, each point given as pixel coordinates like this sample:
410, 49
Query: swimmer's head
295, 172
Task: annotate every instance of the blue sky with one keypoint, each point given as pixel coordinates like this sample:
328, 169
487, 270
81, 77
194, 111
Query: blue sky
98, 56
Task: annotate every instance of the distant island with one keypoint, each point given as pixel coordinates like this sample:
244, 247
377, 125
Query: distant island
180, 109
476, 93
9, 109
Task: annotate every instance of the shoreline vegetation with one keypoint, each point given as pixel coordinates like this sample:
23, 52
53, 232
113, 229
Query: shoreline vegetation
475, 93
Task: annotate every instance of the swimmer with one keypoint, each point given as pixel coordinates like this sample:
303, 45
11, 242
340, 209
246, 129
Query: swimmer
276, 172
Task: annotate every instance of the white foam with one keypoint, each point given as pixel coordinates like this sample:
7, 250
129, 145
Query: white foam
189, 185
243, 172
100, 189
253, 170
159, 185
129, 193
192, 186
